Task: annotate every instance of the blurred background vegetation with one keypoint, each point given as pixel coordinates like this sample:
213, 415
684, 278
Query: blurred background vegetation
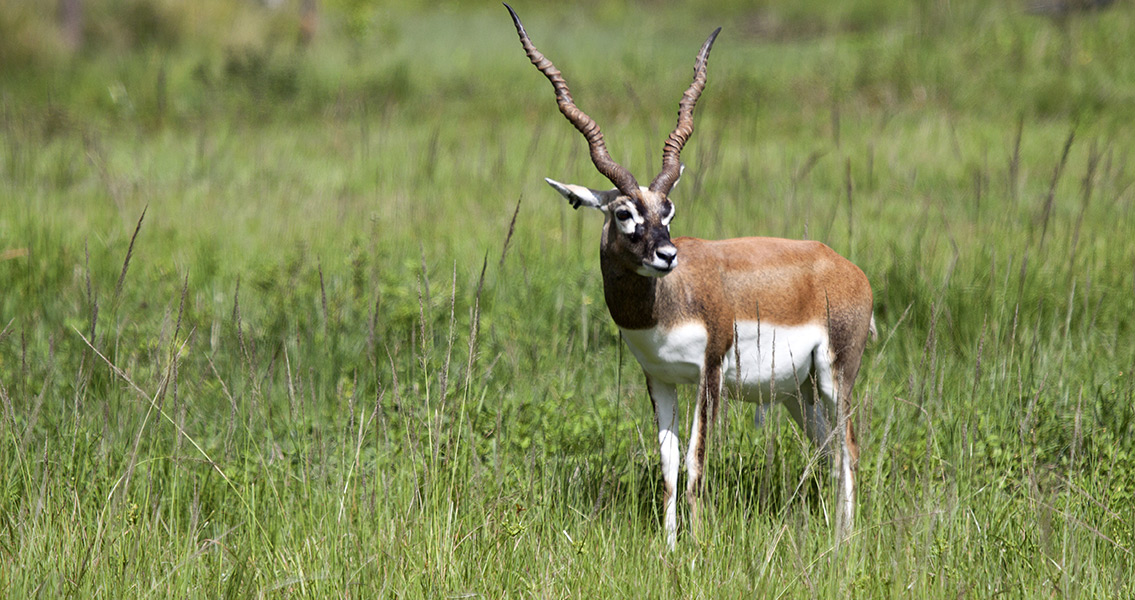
306, 55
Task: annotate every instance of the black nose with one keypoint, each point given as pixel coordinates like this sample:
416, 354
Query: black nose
667, 254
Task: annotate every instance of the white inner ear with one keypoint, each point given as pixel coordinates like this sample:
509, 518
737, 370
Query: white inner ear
576, 194
584, 196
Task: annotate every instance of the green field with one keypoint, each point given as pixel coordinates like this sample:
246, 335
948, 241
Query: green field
296, 320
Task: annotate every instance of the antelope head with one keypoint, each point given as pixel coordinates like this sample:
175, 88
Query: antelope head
636, 231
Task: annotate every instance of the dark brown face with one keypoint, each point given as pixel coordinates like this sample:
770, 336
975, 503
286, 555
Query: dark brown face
639, 231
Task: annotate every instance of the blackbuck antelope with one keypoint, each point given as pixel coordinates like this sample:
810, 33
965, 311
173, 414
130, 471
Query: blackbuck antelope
787, 320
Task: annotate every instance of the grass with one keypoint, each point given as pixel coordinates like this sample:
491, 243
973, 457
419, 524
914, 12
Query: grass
355, 347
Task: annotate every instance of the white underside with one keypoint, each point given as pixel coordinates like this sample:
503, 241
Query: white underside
767, 364
768, 361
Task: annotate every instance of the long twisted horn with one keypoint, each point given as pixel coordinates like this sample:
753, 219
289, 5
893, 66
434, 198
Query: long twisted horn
671, 153
610, 169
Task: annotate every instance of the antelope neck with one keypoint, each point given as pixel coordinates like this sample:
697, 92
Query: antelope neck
631, 298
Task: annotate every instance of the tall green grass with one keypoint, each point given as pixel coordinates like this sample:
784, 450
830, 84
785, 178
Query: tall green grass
355, 347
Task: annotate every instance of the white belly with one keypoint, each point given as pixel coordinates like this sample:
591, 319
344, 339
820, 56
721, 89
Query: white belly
767, 360
669, 355
774, 360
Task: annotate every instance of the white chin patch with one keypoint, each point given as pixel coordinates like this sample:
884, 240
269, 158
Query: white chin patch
651, 270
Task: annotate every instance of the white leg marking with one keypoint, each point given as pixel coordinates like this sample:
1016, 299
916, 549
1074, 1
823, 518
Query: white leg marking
844, 466
692, 470
846, 489
709, 393
665, 398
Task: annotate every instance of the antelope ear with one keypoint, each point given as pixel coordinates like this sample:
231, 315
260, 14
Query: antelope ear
578, 195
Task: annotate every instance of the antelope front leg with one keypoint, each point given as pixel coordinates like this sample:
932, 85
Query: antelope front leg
664, 397
705, 412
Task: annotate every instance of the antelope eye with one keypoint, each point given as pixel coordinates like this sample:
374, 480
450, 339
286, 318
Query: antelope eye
622, 214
